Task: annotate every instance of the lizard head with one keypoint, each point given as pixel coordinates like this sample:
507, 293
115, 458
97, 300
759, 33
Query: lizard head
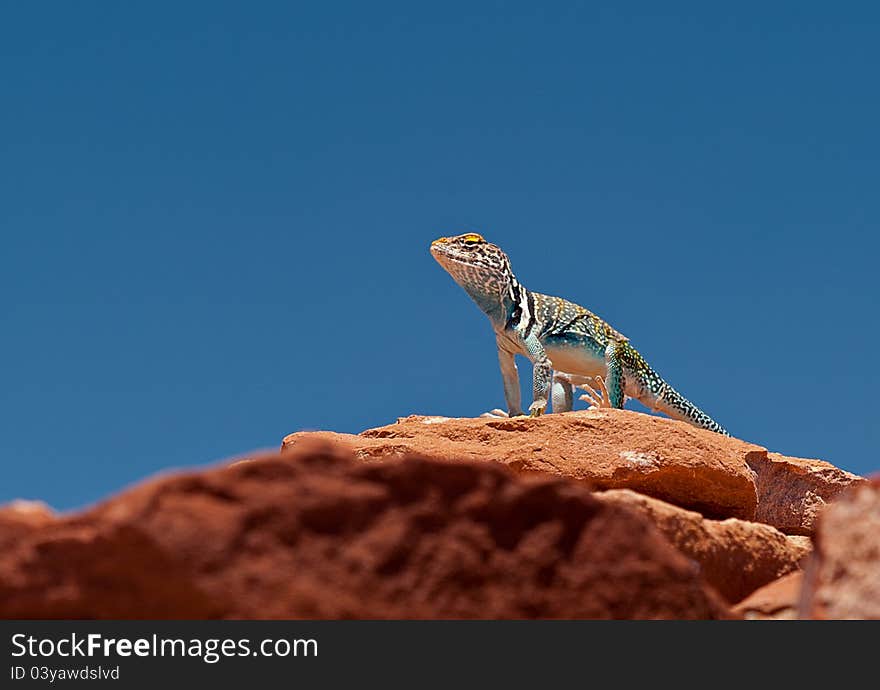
480, 267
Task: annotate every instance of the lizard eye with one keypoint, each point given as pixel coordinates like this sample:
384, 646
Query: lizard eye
472, 239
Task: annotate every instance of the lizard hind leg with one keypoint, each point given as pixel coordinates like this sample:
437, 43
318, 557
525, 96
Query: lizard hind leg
561, 393
653, 392
615, 381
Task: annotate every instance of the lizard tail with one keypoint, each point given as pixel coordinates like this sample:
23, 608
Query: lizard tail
674, 404
647, 386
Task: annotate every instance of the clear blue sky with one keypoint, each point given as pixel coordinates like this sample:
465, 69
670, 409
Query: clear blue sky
215, 217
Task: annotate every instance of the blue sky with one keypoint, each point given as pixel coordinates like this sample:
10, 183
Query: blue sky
215, 217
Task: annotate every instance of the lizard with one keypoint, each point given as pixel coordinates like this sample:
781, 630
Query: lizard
567, 344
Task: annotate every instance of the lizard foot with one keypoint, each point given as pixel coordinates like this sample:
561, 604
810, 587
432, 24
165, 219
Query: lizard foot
537, 408
596, 397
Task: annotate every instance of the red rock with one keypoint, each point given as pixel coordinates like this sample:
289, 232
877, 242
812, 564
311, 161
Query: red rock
317, 534
778, 600
792, 491
843, 578
607, 449
736, 556
19, 518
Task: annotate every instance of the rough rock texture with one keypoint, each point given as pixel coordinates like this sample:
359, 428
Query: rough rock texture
792, 491
317, 534
843, 578
609, 449
779, 600
736, 557
20, 518
424, 519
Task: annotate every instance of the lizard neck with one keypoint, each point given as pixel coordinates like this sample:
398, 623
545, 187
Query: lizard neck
497, 301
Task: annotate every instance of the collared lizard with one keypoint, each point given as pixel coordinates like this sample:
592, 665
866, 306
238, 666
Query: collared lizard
559, 335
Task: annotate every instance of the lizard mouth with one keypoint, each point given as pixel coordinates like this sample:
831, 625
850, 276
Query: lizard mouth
440, 248
452, 258
444, 256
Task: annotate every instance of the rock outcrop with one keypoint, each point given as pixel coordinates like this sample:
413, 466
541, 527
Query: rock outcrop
792, 491
594, 514
779, 600
735, 556
318, 534
607, 449
714, 475
843, 579
19, 518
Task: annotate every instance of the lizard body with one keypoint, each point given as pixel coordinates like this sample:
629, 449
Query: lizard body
555, 334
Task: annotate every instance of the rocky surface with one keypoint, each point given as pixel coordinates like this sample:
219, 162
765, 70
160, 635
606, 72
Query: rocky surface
843, 579
714, 475
319, 534
19, 518
779, 600
595, 514
792, 491
735, 556
607, 449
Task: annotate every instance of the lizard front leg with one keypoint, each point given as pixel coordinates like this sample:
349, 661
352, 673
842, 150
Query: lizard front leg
510, 377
